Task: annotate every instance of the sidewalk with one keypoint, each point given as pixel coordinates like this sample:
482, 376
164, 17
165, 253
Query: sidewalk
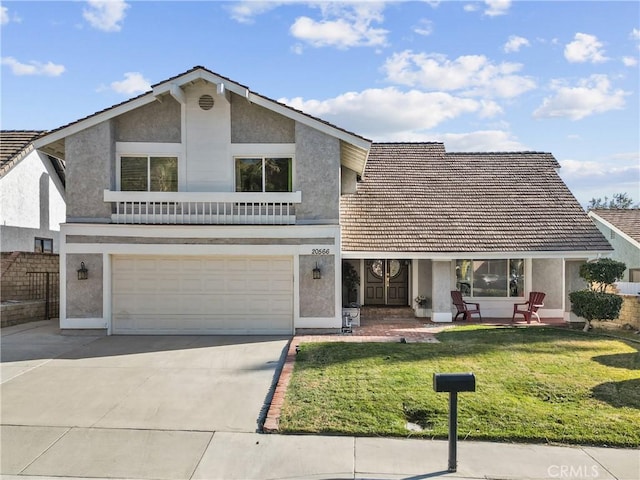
172, 455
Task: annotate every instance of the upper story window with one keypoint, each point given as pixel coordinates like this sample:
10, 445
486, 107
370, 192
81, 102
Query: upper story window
143, 173
43, 245
490, 278
263, 174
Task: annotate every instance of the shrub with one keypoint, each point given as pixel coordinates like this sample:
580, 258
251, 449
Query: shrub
594, 303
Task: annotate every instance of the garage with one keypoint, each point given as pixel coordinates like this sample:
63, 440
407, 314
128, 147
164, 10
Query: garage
202, 295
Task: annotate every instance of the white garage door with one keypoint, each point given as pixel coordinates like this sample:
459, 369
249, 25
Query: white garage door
215, 295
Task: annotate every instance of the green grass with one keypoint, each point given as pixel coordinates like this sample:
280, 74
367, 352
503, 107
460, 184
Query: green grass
533, 385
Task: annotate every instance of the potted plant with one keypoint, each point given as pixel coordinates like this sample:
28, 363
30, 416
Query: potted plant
423, 306
350, 284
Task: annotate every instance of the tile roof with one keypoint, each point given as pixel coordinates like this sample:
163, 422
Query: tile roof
415, 197
14, 145
625, 220
12, 142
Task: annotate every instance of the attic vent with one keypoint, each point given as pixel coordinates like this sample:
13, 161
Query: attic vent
206, 102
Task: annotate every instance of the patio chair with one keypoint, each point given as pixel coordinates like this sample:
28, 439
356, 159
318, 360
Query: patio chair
463, 307
536, 301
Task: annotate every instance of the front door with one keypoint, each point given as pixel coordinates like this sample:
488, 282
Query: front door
387, 282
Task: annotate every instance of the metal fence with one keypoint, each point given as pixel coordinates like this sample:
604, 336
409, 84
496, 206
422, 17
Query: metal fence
46, 286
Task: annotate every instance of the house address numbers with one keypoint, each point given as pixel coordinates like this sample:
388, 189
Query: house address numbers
320, 251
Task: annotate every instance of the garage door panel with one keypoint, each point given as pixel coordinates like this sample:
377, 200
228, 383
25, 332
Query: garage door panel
166, 294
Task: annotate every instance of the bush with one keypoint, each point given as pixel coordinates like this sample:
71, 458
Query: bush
593, 305
602, 273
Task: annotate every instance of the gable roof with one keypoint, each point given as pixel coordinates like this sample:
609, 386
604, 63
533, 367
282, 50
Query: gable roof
625, 222
415, 197
354, 147
12, 144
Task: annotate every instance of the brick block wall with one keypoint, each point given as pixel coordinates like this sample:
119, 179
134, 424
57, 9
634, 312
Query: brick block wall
14, 281
21, 312
630, 311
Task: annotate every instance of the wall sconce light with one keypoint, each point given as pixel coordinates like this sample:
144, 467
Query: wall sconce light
317, 273
83, 273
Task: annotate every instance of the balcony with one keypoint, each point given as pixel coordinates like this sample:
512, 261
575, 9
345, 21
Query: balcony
203, 208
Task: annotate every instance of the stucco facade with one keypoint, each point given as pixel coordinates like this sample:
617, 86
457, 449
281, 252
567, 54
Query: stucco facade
206, 125
32, 204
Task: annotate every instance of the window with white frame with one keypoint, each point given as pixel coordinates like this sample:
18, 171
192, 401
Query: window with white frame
145, 173
263, 174
490, 278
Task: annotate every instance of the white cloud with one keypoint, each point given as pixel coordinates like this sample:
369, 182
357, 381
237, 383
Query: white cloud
472, 75
132, 84
48, 69
4, 15
424, 27
515, 43
106, 15
590, 96
585, 48
470, 7
497, 7
390, 114
630, 61
635, 34
342, 26
480, 141
594, 179
246, 11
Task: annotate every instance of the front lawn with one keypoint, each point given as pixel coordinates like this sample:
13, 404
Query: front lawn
533, 385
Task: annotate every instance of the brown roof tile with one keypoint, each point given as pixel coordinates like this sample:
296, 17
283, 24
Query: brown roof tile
625, 220
415, 197
13, 142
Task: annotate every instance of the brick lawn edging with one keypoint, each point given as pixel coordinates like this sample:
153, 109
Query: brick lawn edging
272, 420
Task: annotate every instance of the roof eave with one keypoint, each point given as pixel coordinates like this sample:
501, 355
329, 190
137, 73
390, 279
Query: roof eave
54, 140
448, 256
610, 225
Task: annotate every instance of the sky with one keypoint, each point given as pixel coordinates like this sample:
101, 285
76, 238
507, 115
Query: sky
495, 75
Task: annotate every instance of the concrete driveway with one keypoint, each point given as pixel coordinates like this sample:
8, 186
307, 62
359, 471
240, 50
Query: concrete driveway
61, 395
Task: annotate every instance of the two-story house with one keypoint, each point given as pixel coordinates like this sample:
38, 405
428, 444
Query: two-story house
203, 207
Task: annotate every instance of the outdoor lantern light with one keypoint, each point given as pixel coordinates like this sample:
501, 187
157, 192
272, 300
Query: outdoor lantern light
317, 274
83, 273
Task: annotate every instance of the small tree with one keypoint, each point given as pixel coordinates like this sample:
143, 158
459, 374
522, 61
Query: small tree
350, 280
619, 201
594, 302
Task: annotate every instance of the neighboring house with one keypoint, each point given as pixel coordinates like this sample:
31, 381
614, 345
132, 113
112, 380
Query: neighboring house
202, 207
32, 197
622, 228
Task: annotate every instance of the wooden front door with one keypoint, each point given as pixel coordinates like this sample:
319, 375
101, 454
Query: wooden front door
387, 282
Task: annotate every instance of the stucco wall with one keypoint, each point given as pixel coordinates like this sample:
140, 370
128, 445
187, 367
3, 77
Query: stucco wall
318, 176
90, 169
154, 122
624, 251
252, 123
348, 181
32, 204
573, 282
84, 297
546, 276
424, 279
317, 297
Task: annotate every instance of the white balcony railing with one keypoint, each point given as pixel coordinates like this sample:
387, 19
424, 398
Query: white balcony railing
205, 208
